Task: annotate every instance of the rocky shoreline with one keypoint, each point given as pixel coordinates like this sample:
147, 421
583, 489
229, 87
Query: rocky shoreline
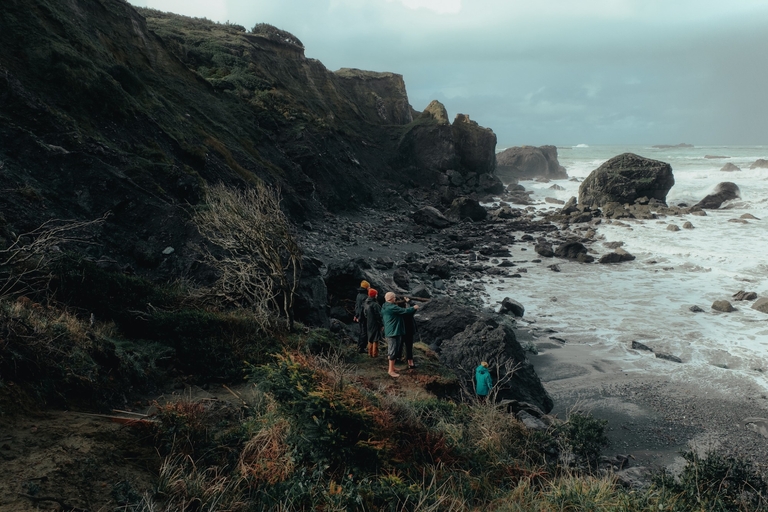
651, 417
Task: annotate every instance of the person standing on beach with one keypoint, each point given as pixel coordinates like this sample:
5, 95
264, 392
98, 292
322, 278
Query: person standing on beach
362, 296
483, 381
372, 311
394, 328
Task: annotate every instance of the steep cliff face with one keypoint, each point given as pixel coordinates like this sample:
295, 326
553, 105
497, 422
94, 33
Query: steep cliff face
380, 97
475, 145
461, 154
105, 108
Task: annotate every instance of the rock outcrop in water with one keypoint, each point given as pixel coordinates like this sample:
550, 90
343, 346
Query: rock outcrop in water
723, 192
624, 179
528, 162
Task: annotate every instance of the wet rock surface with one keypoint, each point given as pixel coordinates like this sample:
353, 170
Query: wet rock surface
626, 178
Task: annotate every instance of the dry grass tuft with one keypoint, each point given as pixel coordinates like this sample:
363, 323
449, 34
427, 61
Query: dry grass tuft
266, 457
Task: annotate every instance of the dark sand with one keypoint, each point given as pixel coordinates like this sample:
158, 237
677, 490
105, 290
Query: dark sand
652, 413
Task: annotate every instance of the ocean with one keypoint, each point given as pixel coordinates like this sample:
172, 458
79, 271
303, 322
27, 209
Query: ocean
649, 299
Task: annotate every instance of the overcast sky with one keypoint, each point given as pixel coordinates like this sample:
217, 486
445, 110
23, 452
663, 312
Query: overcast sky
549, 72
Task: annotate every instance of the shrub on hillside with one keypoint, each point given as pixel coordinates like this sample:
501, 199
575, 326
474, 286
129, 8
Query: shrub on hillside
715, 482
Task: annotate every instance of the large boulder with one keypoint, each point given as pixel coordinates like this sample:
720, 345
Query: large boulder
466, 208
544, 249
730, 167
489, 340
760, 163
723, 306
618, 256
574, 251
512, 306
528, 162
761, 305
441, 319
625, 178
723, 192
430, 216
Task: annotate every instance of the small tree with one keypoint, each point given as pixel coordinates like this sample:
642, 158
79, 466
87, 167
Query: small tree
259, 261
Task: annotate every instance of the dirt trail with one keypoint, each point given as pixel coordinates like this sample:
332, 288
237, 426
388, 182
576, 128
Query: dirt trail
82, 461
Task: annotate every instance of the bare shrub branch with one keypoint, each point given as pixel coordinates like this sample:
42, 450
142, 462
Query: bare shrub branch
24, 263
259, 261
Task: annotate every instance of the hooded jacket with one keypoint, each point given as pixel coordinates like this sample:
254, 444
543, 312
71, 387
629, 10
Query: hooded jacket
483, 381
393, 319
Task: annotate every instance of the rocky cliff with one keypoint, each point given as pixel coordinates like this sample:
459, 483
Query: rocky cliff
106, 108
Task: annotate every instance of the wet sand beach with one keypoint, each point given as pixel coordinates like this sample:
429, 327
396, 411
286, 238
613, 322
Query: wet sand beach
652, 414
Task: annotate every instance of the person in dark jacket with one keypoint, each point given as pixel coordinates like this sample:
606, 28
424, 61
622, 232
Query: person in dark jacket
372, 311
394, 328
483, 381
362, 295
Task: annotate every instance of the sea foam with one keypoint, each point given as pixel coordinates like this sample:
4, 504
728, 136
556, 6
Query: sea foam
649, 299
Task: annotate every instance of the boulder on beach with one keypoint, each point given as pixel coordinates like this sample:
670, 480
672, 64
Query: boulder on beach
544, 249
625, 178
440, 268
723, 306
512, 306
495, 342
760, 163
729, 167
466, 208
529, 162
441, 319
618, 256
402, 278
430, 216
744, 295
761, 305
723, 192
574, 251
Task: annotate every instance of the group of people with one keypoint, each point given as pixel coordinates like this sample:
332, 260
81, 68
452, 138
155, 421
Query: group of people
395, 323
391, 321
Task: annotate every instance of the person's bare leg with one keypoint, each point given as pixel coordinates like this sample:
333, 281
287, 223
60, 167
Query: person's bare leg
392, 372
